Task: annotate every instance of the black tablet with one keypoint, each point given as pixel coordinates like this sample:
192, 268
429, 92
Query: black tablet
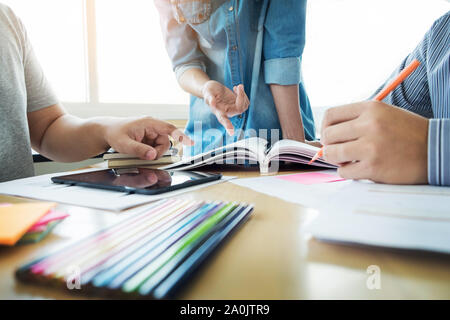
138, 180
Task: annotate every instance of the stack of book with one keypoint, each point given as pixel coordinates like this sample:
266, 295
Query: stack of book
117, 160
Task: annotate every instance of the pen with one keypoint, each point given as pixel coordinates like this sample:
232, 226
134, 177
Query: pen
383, 93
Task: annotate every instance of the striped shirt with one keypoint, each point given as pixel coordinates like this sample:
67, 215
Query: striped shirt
427, 92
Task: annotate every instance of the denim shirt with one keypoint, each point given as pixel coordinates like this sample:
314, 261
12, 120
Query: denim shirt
249, 42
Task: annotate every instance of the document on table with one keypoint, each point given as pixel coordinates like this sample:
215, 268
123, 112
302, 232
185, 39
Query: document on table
406, 217
308, 189
42, 188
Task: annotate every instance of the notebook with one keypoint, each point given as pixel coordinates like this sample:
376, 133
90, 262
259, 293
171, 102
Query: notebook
254, 151
149, 254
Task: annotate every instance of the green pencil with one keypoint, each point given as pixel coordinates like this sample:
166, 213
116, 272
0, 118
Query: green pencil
135, 282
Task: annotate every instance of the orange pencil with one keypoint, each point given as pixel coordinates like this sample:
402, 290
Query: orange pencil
383, 93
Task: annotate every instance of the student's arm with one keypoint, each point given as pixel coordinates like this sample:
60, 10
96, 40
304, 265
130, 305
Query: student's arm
377, 141
286, 99
284, 40
189, 66
180, 40
62, 137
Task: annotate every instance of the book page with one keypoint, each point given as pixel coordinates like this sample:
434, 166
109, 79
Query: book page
293, 151
251, 148
286, 146
258, 146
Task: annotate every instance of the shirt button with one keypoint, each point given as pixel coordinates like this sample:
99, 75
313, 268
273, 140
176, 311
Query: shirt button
230, 8
234, 48
240, 116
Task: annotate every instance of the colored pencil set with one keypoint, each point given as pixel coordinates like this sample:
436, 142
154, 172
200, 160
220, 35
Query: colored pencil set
149, 254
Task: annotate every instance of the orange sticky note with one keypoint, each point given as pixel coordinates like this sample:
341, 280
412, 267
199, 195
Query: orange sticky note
16, 219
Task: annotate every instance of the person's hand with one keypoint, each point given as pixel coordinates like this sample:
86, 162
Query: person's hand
376, 141
224, 102
144, 137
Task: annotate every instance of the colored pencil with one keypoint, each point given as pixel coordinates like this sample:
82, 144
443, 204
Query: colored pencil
97, 249
143, 254
82, 253
120, 272
133, 283
147, 287
172, 283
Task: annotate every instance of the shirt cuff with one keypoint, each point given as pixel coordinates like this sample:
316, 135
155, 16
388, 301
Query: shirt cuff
439, 152
179, 70
283, 71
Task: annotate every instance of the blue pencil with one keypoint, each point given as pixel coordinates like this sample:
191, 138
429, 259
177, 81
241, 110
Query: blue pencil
164, 272
186, 269
131, 264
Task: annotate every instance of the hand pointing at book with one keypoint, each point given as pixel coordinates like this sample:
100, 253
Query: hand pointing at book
376, 141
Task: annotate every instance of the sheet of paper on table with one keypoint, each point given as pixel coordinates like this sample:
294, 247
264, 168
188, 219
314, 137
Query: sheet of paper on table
42, 188
307, 190
406, 217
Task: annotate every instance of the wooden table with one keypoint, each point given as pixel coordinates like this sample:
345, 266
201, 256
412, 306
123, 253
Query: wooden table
268, 258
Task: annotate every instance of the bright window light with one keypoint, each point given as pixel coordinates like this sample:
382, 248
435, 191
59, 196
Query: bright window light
56, 30
353, 46
132, 61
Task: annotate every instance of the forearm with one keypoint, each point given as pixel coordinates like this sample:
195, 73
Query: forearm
69, 138
193, 81
286, 99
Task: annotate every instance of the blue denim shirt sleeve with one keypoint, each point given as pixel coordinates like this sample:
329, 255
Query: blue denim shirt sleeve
439, 152
180, 40
284, 40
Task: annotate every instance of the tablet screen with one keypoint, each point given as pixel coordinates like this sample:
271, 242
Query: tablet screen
136, 178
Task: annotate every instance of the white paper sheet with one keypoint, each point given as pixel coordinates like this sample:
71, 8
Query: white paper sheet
307, 195
42, 188
407, 217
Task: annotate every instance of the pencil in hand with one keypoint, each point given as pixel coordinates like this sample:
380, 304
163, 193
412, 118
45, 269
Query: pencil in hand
383, 93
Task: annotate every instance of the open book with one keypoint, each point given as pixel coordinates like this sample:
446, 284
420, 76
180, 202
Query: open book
254, 151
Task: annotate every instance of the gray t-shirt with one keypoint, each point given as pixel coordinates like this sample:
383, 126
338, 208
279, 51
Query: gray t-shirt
23, 89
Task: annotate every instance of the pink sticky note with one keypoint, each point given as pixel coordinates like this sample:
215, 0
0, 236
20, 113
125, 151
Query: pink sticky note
311, 178
4, 204
38, 228
52, 215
